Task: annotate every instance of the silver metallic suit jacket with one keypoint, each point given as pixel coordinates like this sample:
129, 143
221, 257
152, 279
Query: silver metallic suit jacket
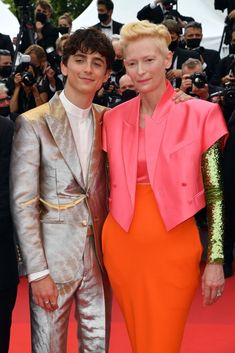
50, 202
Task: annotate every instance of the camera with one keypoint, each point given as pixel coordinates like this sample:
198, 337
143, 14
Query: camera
199, 79
229, 94
54, 60
226, 99
27, 77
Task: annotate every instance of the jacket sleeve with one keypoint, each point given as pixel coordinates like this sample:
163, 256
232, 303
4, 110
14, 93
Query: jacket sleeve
211, 169
25, 189
154, 15
220, 4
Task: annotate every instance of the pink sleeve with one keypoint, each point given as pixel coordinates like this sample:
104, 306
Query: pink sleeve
214, 127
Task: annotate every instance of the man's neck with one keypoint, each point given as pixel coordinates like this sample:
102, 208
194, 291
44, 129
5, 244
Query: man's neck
81, 101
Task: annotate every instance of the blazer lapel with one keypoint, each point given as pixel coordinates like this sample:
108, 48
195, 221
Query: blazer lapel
96, 148
155, 129
130, 147
61, 131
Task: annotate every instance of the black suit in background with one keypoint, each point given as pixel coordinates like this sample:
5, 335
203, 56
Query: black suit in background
49, 36
223, 68
8, 263
211, 58
180, 55
116, 27
224, 4
156, 14
6, 43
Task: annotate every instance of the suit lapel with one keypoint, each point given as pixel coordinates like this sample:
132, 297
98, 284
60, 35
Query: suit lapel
61, 131
96, 148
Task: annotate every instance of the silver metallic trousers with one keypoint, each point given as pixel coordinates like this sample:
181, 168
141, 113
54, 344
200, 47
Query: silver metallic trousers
92, 297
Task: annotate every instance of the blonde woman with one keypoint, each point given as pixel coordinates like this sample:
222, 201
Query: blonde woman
164, 167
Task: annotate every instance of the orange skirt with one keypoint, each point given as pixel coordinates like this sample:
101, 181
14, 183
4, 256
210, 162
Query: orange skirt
153, 273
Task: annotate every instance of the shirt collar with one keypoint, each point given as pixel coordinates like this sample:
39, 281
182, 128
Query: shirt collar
72, 109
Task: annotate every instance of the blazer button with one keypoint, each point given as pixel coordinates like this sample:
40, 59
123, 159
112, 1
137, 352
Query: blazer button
184, 184
84, 223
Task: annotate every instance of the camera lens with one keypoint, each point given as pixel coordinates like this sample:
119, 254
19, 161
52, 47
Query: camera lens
199, 80
28, 79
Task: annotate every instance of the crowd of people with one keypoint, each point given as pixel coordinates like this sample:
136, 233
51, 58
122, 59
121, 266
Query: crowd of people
116, 158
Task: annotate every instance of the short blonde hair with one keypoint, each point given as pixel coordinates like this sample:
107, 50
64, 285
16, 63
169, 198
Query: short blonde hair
132, 31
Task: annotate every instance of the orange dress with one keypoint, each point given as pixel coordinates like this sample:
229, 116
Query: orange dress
153, 273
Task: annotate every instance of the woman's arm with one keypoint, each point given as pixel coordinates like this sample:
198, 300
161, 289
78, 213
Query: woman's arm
213, 277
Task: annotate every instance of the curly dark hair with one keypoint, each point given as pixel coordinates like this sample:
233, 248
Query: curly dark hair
89, 40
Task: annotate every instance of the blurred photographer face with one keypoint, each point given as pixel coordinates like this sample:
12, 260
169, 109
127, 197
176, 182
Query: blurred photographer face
104, 14
193, 37
5, 66
46, 12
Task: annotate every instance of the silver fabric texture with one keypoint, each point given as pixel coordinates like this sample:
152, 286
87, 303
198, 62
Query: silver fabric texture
47, 186
52, 208
49, 329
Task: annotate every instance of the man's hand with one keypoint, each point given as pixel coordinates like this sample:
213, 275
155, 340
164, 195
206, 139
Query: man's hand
227, 78
186, 83
45, 293
17, 79
202, 93
174, 73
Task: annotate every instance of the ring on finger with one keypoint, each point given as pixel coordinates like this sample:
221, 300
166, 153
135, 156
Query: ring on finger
46, 302
218, 294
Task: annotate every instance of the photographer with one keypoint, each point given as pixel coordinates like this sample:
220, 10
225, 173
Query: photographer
180, 55
46, 33
160, 10
109, 94
5, 64
29, 91
230, 19
6, 43
209, 58
223, 73
194, 80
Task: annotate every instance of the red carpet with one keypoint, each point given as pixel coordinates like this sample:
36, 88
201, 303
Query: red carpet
209, 330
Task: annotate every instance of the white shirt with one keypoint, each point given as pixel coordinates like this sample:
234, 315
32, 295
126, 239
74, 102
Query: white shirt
82, 128
107, 31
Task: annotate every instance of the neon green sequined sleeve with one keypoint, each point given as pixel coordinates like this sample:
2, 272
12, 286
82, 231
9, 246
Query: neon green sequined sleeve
211, 170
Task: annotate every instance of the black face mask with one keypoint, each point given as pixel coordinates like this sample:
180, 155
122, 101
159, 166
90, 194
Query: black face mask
232, 48
5, 111
103, 17
117, 65
128, 94
63, 30
193, 43
41, 17
173, 45
5, 71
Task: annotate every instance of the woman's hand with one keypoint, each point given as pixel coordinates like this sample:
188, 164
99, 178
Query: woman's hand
212, 283
17, 80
